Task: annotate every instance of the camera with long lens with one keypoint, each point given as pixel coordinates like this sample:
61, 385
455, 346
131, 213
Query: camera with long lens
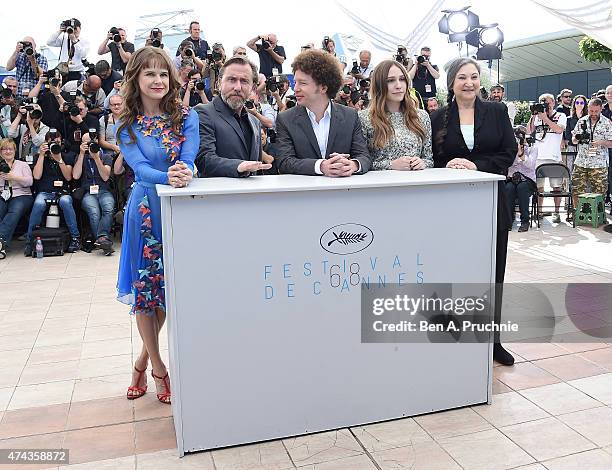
273, 83
4, 167
265, 44
52, 77
249, 104
188, 51
54, 148
68, 26
538, 107
290, 101
94, 146
90, 69
215, 54
155, 37
27, 47
420, 59
199, 84
325, 42
584, 137
355, 69
115, 32
346, 89
484, 94
355, 96
364, 83
401, 55
70, 106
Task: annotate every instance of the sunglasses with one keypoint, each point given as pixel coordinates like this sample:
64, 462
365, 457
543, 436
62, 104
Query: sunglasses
579, 102
567, 96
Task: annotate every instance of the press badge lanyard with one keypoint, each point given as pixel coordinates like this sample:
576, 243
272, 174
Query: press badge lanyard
93, 174
592, 128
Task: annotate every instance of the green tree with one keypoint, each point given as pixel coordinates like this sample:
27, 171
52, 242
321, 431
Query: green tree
594, 51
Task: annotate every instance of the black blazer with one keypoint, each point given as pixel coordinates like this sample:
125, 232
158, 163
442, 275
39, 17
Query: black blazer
297, 145
222, 143
494, 149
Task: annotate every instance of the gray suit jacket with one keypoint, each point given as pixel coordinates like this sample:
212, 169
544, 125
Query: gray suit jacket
297, 145
222, 143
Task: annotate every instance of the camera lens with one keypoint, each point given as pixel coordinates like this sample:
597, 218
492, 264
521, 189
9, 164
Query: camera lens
94, 147
74, 110
156, 43
117, 38
249, 104
346, 89
199, 85
189, 52
70, 30
55, 148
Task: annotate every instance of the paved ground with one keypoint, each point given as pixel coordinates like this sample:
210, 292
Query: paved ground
67, 347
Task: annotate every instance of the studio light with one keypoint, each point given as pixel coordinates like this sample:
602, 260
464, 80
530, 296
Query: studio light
489, 40
458, 23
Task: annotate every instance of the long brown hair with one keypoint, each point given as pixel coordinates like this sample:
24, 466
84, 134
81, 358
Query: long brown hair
383, 130
149, 56
585, 111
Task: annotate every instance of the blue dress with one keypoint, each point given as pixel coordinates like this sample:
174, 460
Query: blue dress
141, 272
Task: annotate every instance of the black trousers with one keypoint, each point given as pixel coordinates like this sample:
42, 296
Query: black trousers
501, 254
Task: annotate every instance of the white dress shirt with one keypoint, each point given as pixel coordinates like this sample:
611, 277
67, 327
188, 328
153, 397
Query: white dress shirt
60, 39
321, 131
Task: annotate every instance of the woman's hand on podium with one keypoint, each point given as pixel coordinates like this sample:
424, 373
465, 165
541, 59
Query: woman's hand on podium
461, 164
179, 175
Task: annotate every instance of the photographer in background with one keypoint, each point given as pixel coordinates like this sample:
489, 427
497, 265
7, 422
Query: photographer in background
93, 168
424, 75
593, 135
117, 44
76, 121
193, 92
73, 49
108, 76
239, 50
155, 38
548, 126
15, 191
271, 55
214, 61
8, 104
30, 64
30, 130
261, 110
52, 171
364, 68
187, 52
432, 104
521, 178
91, 89
47, 93
496, 93
200, 46
565, 106
107, 125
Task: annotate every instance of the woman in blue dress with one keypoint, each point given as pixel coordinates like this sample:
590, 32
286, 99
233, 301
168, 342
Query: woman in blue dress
159, 140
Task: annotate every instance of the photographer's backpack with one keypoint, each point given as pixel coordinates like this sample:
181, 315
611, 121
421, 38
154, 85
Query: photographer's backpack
55, 240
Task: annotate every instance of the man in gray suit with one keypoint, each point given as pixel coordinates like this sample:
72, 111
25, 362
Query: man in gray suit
319, 137
230, 137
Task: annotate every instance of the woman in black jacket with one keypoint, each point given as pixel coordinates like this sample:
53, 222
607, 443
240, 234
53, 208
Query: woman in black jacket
472, 134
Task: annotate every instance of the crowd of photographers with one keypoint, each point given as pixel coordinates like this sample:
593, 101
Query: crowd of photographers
61, 122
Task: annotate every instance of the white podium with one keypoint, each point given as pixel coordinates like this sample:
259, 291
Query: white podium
264, 313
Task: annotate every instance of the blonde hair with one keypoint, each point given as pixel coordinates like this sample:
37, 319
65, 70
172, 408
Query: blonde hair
6, 142
149, 56
383, 130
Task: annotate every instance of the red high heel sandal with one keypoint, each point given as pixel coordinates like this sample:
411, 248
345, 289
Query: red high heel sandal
140, 391
163, 397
